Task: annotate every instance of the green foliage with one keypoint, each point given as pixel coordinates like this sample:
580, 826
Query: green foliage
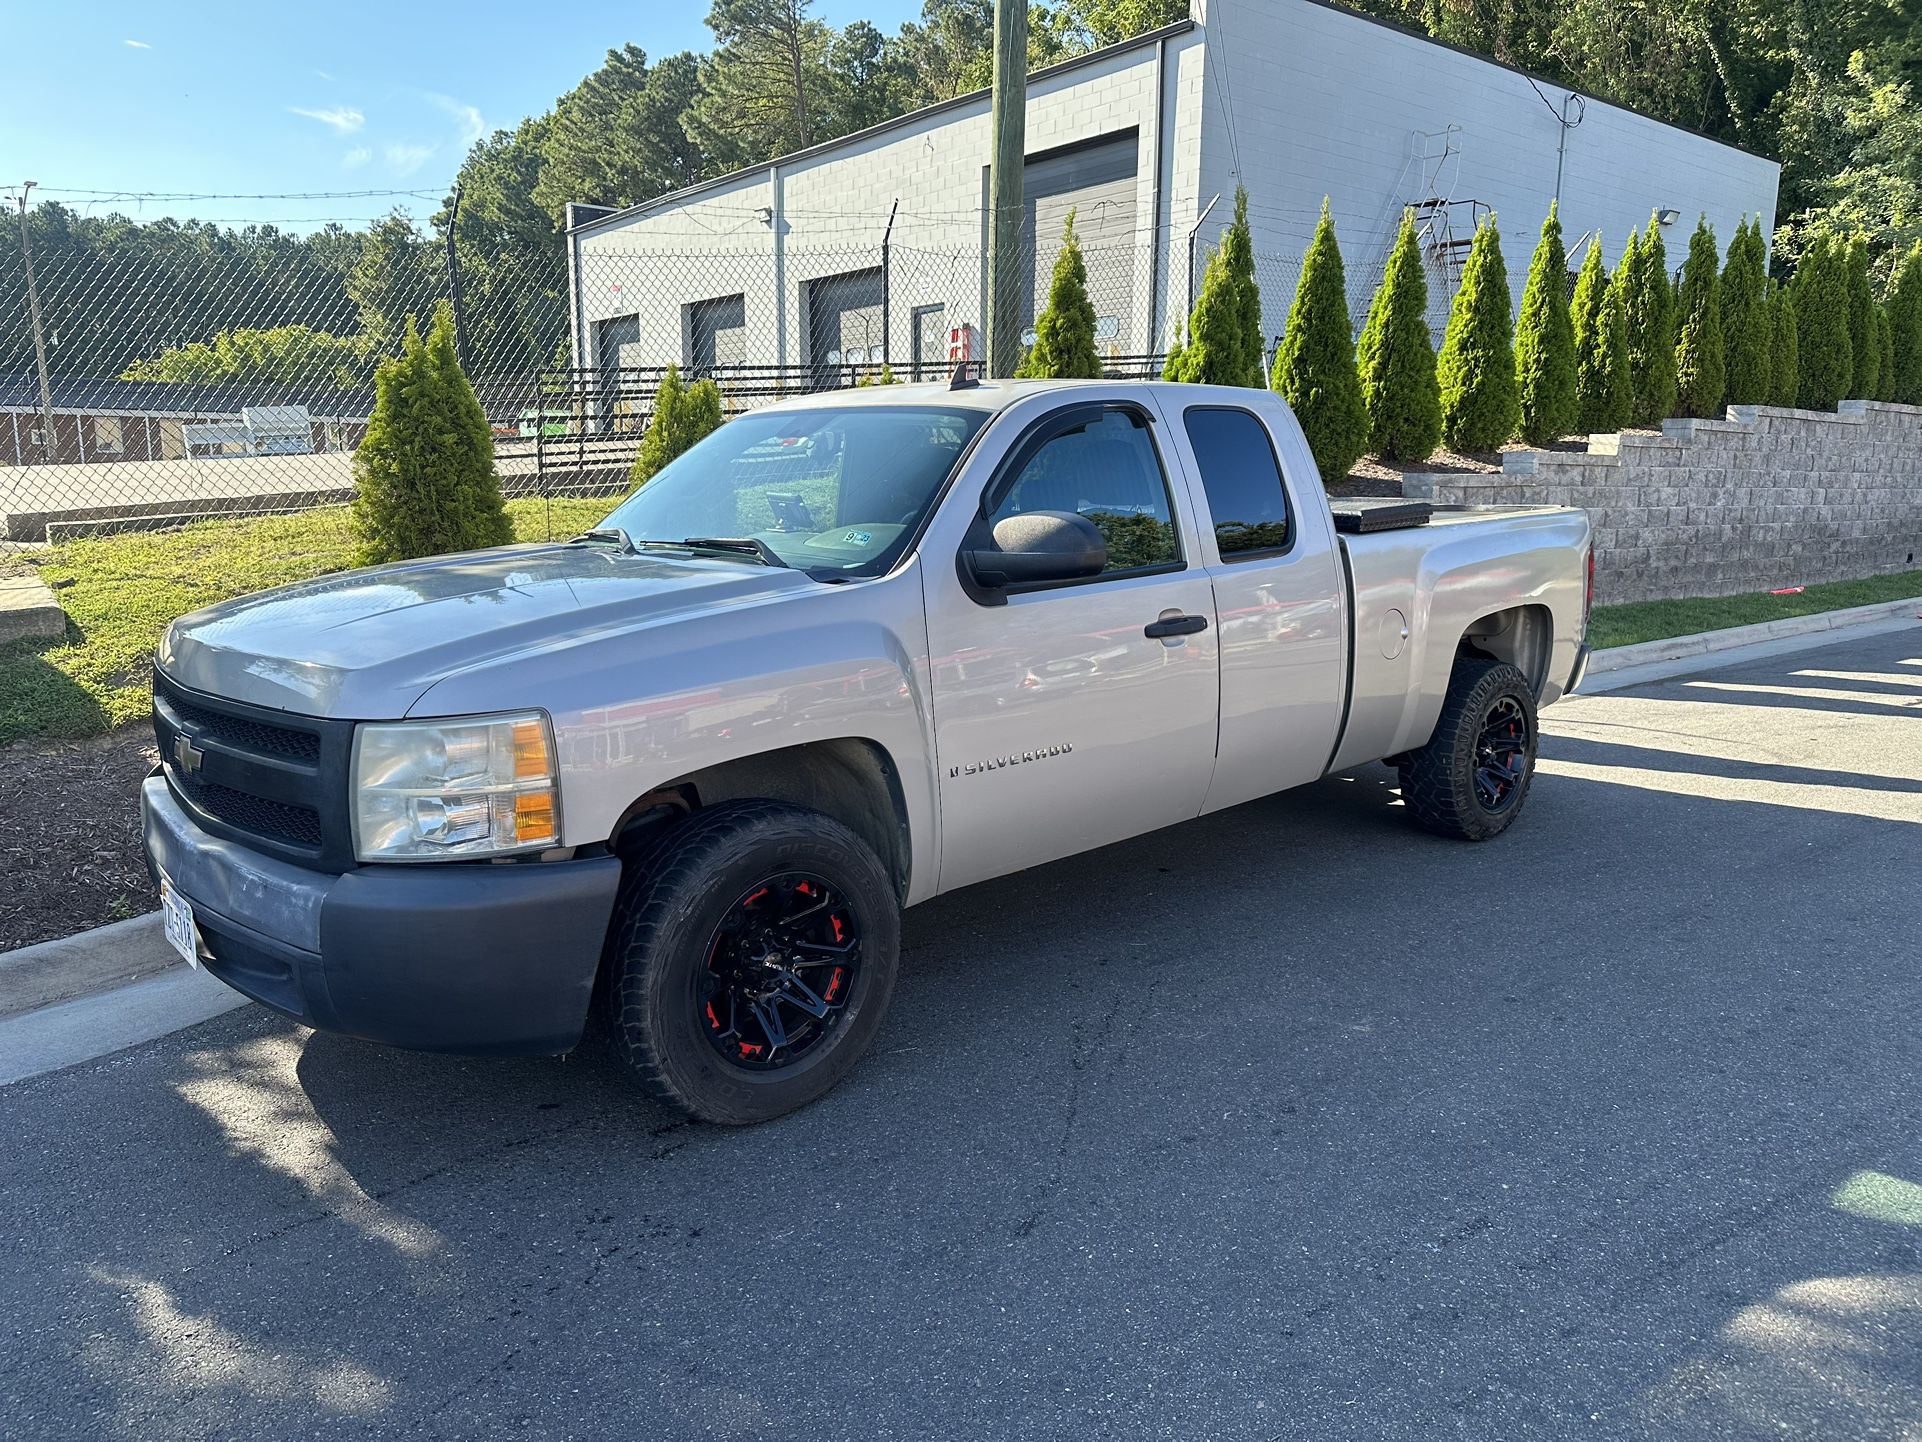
1701, 363
1747, 327
1651, 328
1822, 323
1885, 355
1545, 341
284, 354
1064, 346
1861, 302
883, 377
1603, 389
424, 474
1905, 323
1223, 345
617, 137
1315, 366
1785, 353
1397, 358
682, 415
1481, 405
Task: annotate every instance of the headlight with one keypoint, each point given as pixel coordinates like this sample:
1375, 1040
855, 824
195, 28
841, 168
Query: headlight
478, 786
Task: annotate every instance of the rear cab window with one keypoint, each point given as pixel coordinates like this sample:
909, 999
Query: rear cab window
1241, 477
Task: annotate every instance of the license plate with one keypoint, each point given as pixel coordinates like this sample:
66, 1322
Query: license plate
178, 916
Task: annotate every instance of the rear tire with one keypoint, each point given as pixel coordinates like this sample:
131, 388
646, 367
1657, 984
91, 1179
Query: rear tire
753, 955
1471, 780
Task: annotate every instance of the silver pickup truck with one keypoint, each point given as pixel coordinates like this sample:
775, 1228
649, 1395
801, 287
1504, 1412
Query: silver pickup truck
846, 654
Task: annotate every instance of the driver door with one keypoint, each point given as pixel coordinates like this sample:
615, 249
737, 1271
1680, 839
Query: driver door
1071, 715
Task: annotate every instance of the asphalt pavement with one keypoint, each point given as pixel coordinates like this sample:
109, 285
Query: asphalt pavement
1291, 1123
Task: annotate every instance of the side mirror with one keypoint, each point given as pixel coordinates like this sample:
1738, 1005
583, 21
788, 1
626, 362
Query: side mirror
1039, 546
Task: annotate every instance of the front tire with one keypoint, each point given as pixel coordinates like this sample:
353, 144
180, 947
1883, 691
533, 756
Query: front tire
1471, 780
753, 956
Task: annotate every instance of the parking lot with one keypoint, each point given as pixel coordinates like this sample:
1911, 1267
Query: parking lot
1291, 1123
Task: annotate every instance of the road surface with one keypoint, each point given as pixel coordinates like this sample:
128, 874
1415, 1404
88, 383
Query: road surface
1290, 1123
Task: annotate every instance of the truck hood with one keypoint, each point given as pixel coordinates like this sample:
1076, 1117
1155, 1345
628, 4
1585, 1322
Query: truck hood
368, 644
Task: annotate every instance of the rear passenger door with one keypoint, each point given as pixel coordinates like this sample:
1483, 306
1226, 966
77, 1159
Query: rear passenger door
1271, 554
1063, 720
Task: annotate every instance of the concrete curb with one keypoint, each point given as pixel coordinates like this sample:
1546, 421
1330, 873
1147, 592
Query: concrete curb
1705, 643
50, 972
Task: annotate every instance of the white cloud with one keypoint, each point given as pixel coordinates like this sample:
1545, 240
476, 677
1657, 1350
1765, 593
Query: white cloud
136, 44
355, 158
325, 76
406, 159
343, 119
472, 127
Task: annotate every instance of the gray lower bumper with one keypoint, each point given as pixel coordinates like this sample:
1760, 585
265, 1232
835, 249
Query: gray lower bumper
1580, 673
454, 957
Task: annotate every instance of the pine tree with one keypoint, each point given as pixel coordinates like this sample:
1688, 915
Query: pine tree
1746, 322
1223, 344
1064, 346
1315, 366
1651, 329
424, 473
1861, 312
1885, 355
1397, 358
1602, 388
1821, 294
1545, 341
1480, 404
1701, 360
1905, 321
683, 414
1785, 357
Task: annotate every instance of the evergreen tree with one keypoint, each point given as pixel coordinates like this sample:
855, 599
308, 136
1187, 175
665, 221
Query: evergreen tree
1064, 332
1651, 329
1785, 357
1885, 355
1397, 358
683, 414
1821, 293
1223, 344
1480, 403
1746, 321
1905, 321
1315, 366
1701, 361
424, 479
1545, 342
1602, 386
1861, 312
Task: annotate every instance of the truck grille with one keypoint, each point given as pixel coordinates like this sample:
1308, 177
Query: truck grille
267, 779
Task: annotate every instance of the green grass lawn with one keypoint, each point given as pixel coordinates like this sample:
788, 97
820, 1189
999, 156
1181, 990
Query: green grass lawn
121, 591
1639, 621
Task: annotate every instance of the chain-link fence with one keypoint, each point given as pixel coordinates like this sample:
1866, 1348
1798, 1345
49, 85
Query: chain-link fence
151, 375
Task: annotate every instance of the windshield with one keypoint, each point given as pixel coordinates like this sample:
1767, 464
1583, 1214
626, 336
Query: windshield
835, 492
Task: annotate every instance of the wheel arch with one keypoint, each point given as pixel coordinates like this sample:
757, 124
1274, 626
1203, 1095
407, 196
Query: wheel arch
1523, 636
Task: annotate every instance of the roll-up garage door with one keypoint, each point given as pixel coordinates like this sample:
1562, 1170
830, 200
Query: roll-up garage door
1097, 182
844, 323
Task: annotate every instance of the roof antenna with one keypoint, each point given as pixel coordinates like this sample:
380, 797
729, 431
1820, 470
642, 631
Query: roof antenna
963, 377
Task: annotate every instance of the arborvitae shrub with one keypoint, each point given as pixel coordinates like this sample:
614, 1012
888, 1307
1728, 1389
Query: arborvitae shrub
682, 415
1822, 324
1651, 329
1480, 404
1885, 355
1785, 355
424, 473
1397, 358
1701, 363
1905, 325
1315, 366
1603, 388
1545, 342
1064, 346
1746, 322
1223, 343
1862, 338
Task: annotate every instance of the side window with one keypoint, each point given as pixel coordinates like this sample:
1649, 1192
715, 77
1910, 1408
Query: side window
1108, 471
1242, 480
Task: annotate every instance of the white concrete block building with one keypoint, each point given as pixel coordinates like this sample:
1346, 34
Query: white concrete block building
874, 245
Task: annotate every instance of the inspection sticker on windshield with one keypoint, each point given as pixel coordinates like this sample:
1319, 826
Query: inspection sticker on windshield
858, 538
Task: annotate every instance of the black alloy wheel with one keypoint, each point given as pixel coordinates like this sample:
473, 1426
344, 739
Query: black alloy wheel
780, 969
1501, 755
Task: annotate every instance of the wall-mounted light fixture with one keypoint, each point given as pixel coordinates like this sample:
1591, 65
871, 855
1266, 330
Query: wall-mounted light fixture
767, 215
1668, 217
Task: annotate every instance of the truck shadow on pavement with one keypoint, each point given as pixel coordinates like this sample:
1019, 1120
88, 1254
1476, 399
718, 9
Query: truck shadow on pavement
1289, 1122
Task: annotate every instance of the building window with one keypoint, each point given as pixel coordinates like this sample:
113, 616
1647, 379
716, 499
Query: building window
106, 436
930, 341
1242, 479
714, 333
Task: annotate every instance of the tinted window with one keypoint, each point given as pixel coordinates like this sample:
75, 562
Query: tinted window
1242, 479
1108, 471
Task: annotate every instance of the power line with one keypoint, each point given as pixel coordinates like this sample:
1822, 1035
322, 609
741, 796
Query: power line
234, 195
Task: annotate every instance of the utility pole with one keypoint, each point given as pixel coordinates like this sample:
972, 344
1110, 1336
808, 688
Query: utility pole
453, 285
39, 335
1007, 277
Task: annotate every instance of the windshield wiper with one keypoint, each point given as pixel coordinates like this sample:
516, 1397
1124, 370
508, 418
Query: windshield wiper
606, 536
736, 545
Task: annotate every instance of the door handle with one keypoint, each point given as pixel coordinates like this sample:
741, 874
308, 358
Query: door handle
1175, 626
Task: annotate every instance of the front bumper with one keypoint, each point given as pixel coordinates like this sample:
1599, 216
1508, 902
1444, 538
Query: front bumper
465, 957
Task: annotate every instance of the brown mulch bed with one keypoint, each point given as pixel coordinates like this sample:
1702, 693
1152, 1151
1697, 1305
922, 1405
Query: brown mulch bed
70, 852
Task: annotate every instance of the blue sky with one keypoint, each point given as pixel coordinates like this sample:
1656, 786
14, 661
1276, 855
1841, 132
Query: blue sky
255, 99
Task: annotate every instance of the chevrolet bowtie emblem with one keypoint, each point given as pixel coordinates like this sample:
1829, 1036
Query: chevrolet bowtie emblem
187, 756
